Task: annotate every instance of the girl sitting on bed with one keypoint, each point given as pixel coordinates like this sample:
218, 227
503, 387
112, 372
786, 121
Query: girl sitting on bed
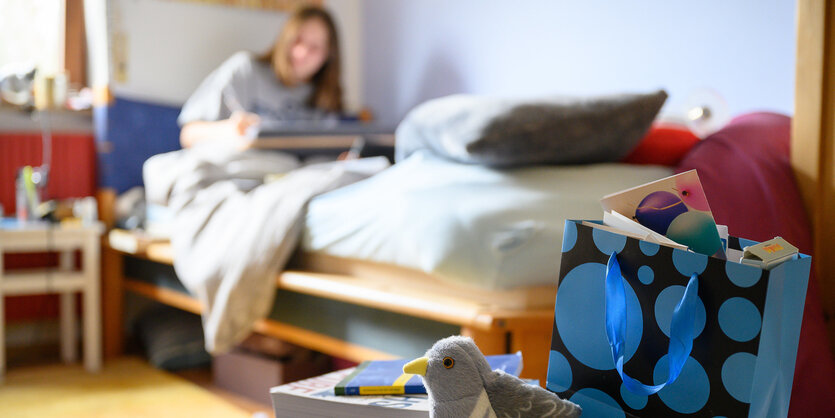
297, 79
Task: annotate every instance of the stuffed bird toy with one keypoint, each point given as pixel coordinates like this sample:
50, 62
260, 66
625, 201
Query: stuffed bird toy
460, 384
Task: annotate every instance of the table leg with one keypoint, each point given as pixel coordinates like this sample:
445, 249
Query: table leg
2, 322
112, 302
92, 307
68, 328
69, 352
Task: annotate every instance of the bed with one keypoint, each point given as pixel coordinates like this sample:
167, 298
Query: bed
371, 305
355, 296
397, 310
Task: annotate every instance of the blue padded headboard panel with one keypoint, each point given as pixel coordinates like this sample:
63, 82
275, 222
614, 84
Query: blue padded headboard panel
127, 133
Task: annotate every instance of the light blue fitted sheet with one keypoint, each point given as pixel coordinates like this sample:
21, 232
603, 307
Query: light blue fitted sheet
470, 224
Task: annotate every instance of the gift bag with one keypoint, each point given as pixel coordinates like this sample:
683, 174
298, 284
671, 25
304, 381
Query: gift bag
647, 330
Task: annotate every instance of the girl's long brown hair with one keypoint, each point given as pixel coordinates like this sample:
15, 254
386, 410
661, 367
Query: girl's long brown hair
327, 87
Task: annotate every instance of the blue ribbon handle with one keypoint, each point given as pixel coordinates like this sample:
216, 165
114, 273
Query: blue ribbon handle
682, 328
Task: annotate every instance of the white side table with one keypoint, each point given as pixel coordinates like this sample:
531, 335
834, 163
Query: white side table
18, 237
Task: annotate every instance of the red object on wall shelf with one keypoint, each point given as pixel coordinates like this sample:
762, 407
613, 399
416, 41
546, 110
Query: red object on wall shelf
72, 174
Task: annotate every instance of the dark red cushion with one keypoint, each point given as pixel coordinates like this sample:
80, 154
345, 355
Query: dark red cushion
747, 177
664, 144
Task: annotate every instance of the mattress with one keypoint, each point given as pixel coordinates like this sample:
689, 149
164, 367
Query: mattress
470, 225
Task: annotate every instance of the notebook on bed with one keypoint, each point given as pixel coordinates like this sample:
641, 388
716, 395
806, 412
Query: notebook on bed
327, 137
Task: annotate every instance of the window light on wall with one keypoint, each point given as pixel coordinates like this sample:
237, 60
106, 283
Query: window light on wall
33, 32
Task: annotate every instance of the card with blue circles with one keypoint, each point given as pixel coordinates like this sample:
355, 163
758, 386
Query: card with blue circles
747, 325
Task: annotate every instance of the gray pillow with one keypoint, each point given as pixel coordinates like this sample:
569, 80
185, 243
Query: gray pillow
505, 132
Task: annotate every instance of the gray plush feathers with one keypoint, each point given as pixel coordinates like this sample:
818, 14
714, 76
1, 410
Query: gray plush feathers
458, 391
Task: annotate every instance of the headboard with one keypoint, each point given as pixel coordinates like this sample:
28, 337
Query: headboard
128, 132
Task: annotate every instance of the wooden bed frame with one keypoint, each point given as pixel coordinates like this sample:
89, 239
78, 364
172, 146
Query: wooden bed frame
495, 331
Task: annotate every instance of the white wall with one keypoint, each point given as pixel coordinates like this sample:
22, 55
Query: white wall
417, 50
168, 47
33, 33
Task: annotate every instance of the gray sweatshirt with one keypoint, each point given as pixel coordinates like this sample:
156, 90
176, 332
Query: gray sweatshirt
243, 83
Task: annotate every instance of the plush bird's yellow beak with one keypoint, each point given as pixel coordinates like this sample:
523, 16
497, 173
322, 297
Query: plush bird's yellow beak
416, 366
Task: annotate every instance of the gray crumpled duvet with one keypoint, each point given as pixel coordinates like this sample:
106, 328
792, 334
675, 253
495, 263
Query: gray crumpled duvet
233, 232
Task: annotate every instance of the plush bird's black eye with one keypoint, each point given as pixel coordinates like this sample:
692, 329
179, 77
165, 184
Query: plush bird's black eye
448, 362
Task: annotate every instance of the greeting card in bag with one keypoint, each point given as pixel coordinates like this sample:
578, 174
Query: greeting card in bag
675, 207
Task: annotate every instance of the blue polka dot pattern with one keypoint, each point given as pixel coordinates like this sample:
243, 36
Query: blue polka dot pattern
689, 392
739, 319
666, 302
608, 242
569, 236
649, 248
559, 372
646, 275
742, 275
738, 375
580, 317
596, 403
688, 263
632, 400
729, 328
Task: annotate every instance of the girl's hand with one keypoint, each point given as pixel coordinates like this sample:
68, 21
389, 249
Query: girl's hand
242, 121
238, 128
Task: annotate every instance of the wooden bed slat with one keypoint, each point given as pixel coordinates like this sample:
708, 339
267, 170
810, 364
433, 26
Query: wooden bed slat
161, 253
495, 330
163, 295
422, 302
291, 334
319, 342
409, 279
354, 290
412, 282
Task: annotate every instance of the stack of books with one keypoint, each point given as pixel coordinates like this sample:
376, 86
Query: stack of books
383, 389
315, 397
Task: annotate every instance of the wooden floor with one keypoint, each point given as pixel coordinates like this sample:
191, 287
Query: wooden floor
22, 359
203, 378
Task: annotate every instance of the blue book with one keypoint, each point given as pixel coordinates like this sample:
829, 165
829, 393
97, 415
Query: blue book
386, 377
